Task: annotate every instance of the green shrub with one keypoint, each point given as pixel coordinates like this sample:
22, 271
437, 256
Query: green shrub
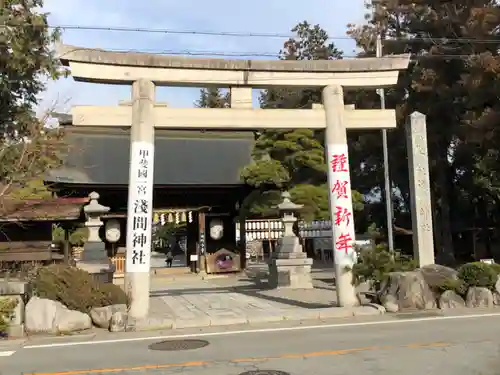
496, 268
7, 307
478, 274
75, 288
111, 294
77, 237
374, 265
456, 285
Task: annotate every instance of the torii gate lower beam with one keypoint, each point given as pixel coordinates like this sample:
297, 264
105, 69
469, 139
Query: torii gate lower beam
234, 119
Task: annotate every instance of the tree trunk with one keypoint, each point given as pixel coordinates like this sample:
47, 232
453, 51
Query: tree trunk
445, 255
484, 225
436, 222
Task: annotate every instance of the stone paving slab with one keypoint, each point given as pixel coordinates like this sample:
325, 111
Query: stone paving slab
238, 300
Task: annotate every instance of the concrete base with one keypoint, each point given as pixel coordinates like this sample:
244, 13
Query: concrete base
291, 273
290, 267
16, 330
94, 252
136, 285
18, 291
94, 260
101, 272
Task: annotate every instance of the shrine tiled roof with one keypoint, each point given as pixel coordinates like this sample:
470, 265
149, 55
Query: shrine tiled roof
53, 209
100, 156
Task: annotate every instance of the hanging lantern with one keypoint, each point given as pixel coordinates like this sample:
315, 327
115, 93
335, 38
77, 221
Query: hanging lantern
216, 229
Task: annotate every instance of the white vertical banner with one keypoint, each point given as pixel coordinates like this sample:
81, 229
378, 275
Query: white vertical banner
340, 197
140, 207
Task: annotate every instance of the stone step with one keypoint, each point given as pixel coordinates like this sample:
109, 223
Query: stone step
165, 271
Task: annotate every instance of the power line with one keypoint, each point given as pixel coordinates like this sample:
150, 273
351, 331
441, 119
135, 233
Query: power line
494, 39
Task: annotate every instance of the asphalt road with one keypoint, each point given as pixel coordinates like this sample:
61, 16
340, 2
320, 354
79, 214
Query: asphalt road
388, 346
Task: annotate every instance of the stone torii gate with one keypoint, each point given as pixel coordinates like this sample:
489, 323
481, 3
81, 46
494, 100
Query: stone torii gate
145, 71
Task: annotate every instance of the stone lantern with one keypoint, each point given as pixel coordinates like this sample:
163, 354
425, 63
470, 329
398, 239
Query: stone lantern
94, 257
289, 266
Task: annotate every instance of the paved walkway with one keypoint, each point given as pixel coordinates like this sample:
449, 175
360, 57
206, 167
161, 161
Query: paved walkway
192, 302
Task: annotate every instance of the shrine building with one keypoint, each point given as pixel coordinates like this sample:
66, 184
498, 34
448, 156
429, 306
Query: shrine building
196, 179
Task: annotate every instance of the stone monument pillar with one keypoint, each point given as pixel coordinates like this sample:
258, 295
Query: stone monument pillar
289, 266
94, 258
420, 191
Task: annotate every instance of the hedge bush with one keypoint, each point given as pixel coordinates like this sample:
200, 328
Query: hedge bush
496, 268
111, 294
7, 307
75, 288
456, 285
375, 264
478, 274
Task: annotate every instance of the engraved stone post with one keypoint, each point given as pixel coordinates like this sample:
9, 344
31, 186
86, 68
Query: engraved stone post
290, 267
418, 165
94, 258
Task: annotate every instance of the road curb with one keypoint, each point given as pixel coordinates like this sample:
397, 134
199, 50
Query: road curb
153, 324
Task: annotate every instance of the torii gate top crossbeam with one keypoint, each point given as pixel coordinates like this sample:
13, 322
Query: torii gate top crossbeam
101, 66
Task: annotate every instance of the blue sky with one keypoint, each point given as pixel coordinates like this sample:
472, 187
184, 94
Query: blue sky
261, 16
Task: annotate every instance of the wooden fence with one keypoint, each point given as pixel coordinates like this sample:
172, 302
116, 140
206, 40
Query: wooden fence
118, 262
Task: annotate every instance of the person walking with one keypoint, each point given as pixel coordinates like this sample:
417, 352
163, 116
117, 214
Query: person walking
170, 258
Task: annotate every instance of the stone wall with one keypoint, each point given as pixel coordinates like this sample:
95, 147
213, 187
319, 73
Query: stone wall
18, 291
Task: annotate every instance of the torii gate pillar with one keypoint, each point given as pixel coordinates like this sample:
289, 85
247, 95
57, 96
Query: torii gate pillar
140, 198
340, 196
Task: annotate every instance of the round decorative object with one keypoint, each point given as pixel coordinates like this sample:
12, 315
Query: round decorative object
112, 229
177, 345
216, 229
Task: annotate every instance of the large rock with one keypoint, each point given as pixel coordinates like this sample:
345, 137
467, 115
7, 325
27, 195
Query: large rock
40, 315
497, 286
479, 297
67, 321
436, 274
101, 316
391, 304
408, 290
47, 316
450, 300
496, 292
118, 322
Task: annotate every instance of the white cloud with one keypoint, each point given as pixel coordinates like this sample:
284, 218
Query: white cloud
260, 16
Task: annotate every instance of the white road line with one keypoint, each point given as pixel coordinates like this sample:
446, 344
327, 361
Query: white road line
6, 353
262, 330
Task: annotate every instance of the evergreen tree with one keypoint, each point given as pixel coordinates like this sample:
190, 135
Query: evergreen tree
213, 97
293, 159
453, 81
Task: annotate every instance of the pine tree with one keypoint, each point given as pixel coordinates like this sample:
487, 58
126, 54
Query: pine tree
453, 81
293, 159
213, 97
